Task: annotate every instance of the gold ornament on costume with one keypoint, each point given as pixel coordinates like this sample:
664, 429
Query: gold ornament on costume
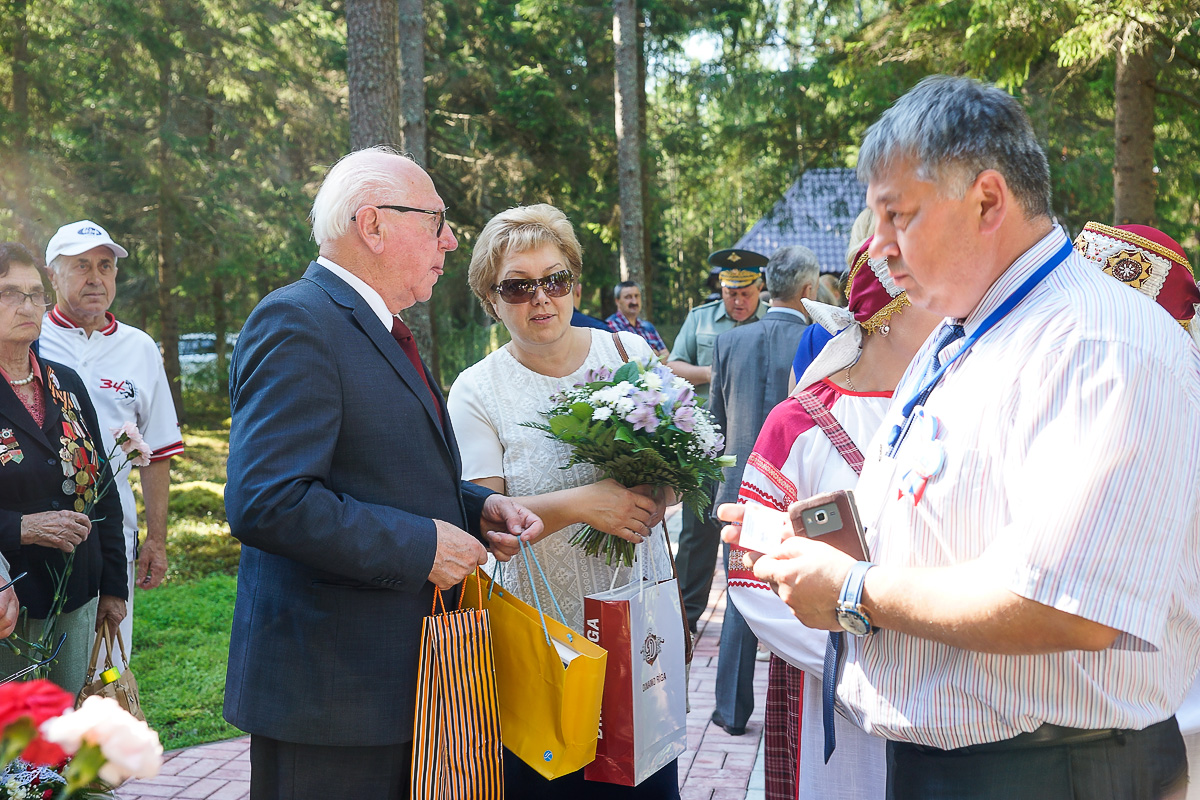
1130, 267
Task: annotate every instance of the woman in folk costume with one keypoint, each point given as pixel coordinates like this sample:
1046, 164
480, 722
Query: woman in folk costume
1148, 260
842, 395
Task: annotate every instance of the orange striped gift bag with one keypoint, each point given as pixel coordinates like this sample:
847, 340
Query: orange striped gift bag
456, 733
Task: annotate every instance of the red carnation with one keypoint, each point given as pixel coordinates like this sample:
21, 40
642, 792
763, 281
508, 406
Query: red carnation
38, 701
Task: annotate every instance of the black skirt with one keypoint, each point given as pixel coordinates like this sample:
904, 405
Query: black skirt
520, 780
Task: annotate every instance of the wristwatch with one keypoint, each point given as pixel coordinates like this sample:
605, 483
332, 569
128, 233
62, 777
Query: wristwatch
851, 615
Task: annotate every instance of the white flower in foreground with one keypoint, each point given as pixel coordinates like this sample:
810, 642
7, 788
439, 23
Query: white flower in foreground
602, 413
652, 381
130, 748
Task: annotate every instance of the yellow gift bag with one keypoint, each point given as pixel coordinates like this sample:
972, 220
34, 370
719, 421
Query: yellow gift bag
550, 681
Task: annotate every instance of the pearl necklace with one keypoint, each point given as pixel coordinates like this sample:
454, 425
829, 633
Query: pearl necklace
24, 381
849, 383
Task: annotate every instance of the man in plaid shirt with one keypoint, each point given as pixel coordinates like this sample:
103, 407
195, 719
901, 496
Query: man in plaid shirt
629, 302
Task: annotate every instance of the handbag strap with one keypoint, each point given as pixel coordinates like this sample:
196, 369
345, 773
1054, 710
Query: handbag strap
832, 429
526, 554
688, 644
121, 644
687, 629
620, 347
103, 635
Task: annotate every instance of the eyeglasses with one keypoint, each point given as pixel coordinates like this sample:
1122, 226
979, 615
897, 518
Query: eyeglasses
14, 298
440, 216
522, 290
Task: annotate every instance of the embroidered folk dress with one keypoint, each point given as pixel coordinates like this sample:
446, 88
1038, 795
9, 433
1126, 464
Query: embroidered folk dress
489, 404
794, 459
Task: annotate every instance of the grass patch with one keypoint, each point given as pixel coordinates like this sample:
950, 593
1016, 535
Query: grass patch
204, 456
181, 629
180, 650
198, 548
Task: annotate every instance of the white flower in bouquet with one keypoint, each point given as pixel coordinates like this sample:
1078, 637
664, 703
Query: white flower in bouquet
130, 748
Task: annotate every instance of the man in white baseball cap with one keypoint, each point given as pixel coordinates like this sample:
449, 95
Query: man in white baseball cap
80, 237
123, 371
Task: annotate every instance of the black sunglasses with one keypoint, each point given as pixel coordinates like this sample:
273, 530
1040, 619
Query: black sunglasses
440, 216
522, 290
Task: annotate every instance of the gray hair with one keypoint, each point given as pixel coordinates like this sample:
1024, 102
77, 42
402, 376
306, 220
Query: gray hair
790, 270
955, 128
350, 184
622, 286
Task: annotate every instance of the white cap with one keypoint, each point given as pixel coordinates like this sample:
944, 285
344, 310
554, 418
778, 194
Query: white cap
79, 237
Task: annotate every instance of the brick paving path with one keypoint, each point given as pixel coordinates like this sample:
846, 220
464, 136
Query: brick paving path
716, 766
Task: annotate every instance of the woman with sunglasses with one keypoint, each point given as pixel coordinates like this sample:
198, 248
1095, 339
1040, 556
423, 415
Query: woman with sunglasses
522, 270
50, 466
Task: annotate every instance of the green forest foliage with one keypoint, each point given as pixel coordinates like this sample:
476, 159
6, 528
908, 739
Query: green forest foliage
196, 131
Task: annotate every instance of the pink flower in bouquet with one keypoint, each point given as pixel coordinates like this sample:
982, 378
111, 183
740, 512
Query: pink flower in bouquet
37, 701
643, 418
685, 418
130, 440
130, 748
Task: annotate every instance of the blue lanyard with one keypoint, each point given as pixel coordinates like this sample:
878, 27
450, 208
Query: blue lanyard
922, 394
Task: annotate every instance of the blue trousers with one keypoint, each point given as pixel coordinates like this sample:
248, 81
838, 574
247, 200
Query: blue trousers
735, 664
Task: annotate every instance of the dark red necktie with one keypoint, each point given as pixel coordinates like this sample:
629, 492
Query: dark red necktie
403, 336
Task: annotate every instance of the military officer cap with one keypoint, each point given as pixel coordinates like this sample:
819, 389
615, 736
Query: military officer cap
739, 268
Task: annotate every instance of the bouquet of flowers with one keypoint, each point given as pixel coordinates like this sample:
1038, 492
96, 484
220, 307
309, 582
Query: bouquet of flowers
51, 752
42, 651
639, 425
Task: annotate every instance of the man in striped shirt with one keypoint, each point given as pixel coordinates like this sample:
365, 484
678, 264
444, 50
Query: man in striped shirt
1030, 619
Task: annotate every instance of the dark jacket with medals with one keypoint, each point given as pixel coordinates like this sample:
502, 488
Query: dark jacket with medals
57, 468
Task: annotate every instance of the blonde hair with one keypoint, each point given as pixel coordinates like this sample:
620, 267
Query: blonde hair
519, 230
862, 229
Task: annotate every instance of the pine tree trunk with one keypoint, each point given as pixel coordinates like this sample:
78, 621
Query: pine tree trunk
373, 72
412, 78
165, 229
420, 317
647, 176
629, 147
1133, 155
16, 196
20, 73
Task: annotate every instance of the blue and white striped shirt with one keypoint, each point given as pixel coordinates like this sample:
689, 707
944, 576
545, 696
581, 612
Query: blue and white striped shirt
1072, 431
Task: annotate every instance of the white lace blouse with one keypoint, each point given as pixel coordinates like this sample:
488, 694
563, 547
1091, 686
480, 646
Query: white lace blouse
488, 404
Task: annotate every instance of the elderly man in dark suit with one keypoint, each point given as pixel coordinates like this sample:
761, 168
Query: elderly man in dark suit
345, 491
751, 366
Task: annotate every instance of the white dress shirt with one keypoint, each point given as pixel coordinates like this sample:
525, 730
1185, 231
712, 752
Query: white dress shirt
364, 291
1071, 432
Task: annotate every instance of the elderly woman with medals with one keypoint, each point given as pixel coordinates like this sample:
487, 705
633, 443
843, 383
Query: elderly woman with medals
50, 471
809, 445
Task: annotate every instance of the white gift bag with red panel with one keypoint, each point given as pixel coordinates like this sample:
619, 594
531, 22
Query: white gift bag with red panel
643, 716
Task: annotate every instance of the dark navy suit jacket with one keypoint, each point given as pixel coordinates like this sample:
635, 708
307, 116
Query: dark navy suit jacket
749, 378
338, 464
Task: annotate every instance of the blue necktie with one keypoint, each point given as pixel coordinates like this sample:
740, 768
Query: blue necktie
829, 689
950, 333
833, 649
